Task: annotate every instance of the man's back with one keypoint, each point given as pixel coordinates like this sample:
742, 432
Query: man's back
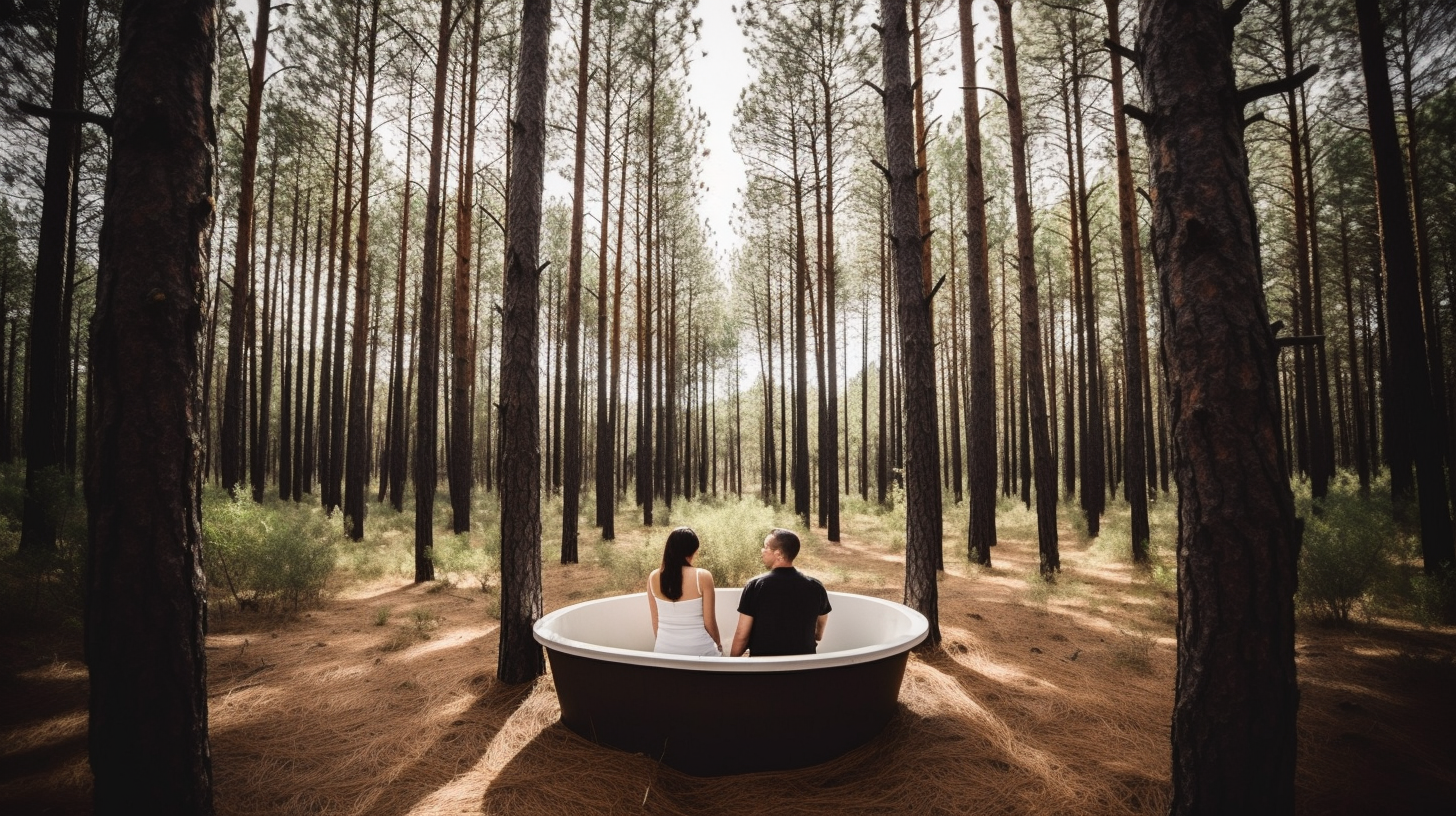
785, 604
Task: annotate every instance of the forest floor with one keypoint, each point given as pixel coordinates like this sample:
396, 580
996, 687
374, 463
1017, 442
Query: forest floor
1041, 699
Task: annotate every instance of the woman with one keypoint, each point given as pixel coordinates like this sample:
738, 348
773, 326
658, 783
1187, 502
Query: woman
681, 599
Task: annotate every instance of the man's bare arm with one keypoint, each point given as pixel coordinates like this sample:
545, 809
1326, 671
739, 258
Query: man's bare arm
740, 637
819, 625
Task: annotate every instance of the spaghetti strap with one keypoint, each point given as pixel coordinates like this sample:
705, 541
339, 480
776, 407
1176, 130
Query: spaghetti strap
698, 580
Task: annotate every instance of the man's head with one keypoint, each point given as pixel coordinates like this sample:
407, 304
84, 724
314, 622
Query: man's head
780, 549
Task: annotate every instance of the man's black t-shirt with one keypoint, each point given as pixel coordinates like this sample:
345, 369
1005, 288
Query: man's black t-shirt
784, 605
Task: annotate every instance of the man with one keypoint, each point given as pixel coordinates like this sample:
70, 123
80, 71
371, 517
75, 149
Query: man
784, 611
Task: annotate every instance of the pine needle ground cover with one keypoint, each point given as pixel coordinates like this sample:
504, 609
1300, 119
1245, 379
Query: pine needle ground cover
1044, 698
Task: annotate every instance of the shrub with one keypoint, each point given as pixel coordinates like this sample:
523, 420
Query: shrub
266, 556
1350, 543
731, 533
457, 556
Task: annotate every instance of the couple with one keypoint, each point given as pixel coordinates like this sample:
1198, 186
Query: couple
780, 613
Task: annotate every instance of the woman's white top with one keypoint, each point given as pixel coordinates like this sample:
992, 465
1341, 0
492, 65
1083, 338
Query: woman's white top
680, 628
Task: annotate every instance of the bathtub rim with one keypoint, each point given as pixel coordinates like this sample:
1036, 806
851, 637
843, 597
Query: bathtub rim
920, 629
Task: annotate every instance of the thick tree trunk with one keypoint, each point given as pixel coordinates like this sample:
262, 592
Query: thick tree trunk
429, 337
571, 478
1238, 539
1410, 405
146, 594
1035, 431
981, 425
922, 471
521, 658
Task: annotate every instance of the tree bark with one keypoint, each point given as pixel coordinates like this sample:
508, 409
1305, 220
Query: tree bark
146, 594
922, 472
1134, 336
981, 425
462, 378
232, 406
429, 336
521, 658
571, 478
1043, 469
1238, 539
1411, 406
356, 471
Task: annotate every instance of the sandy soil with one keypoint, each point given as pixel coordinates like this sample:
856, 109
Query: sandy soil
1038, 702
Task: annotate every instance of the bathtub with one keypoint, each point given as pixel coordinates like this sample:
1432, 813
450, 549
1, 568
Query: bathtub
712, 716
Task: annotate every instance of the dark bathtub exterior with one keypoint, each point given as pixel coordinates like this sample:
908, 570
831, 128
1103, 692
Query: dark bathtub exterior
719, 716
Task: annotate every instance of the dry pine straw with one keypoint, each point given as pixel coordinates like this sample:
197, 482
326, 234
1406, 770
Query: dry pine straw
316, 718
1036, 702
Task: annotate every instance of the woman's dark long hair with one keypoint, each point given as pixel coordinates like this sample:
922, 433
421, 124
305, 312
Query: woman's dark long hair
681, 543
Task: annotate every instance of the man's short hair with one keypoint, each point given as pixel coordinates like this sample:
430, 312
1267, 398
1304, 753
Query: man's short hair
785, 542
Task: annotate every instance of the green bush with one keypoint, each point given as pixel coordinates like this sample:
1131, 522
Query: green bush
731, 534
1350, 546
457, 557
266, 556
1433, 597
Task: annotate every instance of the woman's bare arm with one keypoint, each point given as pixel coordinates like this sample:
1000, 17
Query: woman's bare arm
710, 612
652, 600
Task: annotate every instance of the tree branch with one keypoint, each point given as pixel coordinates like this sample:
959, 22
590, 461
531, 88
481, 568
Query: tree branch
1129, 54
32, 109
1134, 112
1277, 86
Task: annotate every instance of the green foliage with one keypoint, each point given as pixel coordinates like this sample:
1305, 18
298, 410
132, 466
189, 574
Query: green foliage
276, 555
420, 624
473, 557
44, 588
381, 616
1350, 546
1433, 597
731, 535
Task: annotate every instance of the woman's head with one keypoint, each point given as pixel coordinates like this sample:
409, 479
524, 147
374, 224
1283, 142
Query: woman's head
681, 544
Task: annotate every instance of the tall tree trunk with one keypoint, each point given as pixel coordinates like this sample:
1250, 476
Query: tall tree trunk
829, 480
326, 353
606, 433
1238, 539
356, 472
1315, 398
262, 384
521, 659
922, 473
44, 422
981, 427
145, 590
1094, 481
1134, 336
801, 348
232, 406
462, 378
1410, 405
285, 403
571, 478
1043, 469
429, 336
332, 488
398, 444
